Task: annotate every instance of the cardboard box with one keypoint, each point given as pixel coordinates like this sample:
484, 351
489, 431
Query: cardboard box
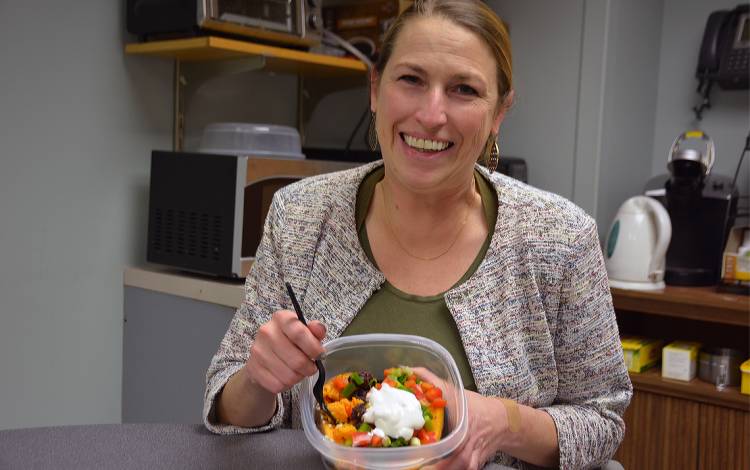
363, 23
680, 360
734, 267
640, 353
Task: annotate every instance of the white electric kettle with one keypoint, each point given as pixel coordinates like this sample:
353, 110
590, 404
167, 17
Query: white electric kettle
636, 248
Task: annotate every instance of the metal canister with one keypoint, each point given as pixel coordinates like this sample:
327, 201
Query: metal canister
720, 366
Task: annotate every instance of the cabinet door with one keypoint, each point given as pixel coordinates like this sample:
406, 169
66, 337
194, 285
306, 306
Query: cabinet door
662, 433
168, 343
724, 438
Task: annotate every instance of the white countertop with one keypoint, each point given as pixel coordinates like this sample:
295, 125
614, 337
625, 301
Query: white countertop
192, 286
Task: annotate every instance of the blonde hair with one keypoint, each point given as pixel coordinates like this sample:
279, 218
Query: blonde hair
473, 15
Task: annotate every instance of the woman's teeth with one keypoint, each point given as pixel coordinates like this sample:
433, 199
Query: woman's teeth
425, 144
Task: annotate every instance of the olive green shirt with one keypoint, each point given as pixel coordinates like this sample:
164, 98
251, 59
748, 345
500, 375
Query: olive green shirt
391, 310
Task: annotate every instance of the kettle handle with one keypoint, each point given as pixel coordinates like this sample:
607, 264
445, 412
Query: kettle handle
663, 235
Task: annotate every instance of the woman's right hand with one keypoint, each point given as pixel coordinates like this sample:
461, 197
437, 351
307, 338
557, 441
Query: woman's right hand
281, 356
284, 351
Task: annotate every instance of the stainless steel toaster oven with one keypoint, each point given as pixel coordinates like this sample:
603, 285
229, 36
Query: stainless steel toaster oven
290, 22
206, 212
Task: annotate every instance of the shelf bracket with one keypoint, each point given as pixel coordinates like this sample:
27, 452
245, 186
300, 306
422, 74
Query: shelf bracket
189, 77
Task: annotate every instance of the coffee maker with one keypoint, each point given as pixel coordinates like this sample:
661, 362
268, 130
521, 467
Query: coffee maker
702, 208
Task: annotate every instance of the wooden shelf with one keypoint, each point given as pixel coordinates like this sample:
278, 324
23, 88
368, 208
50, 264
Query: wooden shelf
278, 59
696, 390
694, 303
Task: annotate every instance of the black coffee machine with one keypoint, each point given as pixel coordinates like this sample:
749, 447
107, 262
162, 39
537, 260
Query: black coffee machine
702, 208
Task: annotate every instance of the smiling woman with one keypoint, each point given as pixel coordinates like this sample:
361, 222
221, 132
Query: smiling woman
436, 102
508, 278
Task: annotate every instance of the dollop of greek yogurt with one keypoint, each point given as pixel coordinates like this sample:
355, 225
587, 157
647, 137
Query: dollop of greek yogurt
396, 413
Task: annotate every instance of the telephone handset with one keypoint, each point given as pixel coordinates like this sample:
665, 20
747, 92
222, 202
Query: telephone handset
724, 56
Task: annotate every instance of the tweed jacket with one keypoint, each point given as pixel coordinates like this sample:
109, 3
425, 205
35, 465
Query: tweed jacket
536, 318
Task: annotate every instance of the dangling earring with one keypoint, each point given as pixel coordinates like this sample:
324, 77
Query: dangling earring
372, 135
493, 158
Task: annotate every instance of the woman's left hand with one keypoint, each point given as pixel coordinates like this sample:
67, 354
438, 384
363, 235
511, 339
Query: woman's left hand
487, 423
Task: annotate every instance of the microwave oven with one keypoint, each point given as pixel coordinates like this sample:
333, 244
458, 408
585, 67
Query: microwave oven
289, 22
206, 212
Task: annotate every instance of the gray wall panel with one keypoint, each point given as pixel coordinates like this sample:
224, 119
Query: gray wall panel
541, 127
168, 344
629, 110
78, 120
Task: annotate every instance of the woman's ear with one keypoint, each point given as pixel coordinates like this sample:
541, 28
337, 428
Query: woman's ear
504, 107
374, 80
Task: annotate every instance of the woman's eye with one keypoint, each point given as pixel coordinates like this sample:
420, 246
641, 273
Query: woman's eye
409, 79
466, 90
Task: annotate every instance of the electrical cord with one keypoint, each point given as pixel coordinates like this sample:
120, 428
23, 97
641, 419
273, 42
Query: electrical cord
739, 163
346, 45
356, 128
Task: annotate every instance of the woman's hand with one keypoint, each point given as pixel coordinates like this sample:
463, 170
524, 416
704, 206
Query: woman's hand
280, 357
487, 424
284, 351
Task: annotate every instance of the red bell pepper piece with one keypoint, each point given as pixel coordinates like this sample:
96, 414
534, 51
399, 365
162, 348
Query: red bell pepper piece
361, 439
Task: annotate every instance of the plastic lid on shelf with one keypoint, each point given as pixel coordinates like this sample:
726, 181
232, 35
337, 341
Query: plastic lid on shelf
242, 138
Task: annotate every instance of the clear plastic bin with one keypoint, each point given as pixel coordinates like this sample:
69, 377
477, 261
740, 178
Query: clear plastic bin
262, 140
374, 353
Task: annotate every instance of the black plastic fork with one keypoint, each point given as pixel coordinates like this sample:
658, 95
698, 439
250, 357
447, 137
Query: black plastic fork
318, 387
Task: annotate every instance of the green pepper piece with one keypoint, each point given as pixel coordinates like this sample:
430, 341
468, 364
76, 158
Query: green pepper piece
400, 442
348, 390
364, 427
356, 378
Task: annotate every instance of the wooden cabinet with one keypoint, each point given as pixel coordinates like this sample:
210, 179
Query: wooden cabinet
662, 432
685, 425
724, 437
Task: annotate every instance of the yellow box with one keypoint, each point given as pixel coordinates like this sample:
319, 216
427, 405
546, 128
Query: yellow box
745, 369
640, 353
680, 360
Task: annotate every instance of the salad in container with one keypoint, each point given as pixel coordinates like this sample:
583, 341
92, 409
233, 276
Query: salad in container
397, 402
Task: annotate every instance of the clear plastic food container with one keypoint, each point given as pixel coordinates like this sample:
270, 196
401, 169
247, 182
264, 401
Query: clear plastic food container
241, 138
374, 353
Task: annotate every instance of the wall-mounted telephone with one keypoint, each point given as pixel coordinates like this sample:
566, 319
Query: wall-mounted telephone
724, 56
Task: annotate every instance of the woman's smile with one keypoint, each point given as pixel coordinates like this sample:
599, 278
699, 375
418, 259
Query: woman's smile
424, 147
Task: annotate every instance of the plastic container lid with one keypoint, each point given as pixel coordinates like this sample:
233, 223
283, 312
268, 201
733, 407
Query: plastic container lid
374, 353
240, 138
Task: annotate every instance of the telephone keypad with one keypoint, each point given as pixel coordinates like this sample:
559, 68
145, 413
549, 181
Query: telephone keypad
738, 60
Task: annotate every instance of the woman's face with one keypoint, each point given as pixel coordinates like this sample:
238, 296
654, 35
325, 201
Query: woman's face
436, 103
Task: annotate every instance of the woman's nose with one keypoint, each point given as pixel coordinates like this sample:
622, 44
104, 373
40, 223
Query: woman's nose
432, 112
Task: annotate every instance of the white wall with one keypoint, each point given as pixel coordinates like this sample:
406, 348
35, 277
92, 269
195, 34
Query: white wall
541, 127
727, 122
585, 74
628, 116
77, 121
